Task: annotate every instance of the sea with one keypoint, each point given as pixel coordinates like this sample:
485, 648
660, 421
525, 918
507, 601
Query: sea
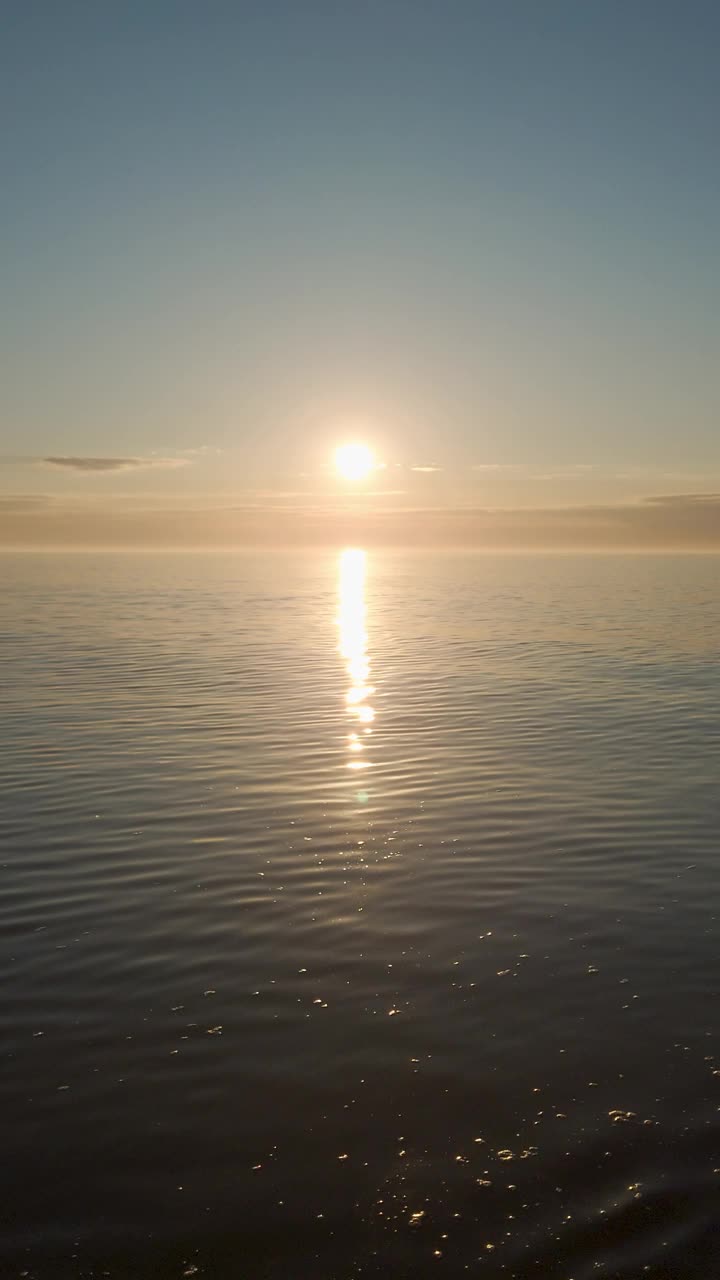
359, 915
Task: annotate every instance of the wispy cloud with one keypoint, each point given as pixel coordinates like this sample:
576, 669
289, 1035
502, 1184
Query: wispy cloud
74, 463
429, 468
561, 470
498, 466
22, 502
688, 500
676, 521
565, 472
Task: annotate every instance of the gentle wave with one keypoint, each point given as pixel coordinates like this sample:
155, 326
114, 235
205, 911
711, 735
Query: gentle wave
259, 1005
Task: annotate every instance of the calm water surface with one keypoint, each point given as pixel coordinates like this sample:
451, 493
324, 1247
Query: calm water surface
359, 916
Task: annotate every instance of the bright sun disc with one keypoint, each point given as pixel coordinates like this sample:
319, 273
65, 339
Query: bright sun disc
354, 461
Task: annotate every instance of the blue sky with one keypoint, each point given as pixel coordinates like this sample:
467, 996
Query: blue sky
480, 235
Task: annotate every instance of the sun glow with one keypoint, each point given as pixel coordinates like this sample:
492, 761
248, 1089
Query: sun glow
354, 461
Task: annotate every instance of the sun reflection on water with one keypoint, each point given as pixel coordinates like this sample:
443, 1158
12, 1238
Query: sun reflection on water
352, 617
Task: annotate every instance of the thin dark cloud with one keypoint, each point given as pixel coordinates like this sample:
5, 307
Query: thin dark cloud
686, 500
21, 502
74, 463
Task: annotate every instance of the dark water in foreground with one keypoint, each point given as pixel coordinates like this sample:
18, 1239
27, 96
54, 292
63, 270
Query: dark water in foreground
264, 1013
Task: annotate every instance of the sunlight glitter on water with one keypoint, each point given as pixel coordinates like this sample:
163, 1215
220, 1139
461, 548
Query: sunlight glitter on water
352, 624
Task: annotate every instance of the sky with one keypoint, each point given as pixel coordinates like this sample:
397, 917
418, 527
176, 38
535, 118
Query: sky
479, 235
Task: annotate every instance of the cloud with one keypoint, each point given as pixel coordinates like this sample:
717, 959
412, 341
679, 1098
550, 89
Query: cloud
689, 500
428, 468
21, 502
558, 472
498, 466
689, 521
72, 463
572, 470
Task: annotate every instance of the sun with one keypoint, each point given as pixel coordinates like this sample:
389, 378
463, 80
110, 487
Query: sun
354, 461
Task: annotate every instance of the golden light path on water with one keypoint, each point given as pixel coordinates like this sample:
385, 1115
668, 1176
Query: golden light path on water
352, 624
